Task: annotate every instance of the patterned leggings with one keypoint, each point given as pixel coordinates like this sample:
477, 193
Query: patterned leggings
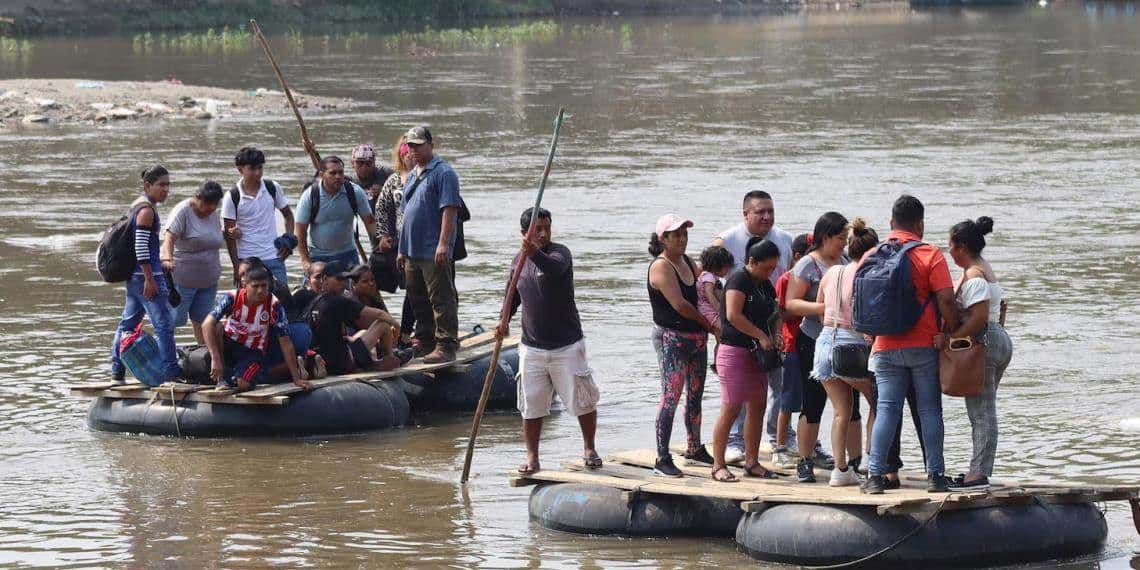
684, 360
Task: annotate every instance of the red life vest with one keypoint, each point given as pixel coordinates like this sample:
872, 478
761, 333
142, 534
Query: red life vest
249, 325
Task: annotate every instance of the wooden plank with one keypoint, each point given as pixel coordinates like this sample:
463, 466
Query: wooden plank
210, 396
719, 491
182, 388
416, 366
129, 387
89, 387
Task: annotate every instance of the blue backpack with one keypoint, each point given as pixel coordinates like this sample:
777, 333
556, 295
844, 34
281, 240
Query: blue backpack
885, 301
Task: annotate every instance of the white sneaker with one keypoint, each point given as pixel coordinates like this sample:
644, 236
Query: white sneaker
781, 458
733, 455
843, 478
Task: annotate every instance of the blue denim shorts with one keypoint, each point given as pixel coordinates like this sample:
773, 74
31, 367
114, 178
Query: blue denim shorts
792, 388
822, 369
197, 302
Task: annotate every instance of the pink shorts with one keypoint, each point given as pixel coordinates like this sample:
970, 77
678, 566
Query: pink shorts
740, 378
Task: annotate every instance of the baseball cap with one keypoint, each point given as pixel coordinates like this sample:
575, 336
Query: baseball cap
418, 135
670, 222
363, 152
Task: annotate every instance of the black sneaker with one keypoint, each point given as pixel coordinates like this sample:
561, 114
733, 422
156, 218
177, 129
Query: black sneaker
960, 484
805, 471
874, 485
664, 466
701, 455
119, 377
937, 483
890, 484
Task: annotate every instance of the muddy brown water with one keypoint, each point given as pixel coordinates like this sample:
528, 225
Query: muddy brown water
1031, 116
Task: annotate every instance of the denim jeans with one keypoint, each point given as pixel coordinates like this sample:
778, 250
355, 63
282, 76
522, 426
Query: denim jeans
302, 338
895, 372
982, 409
277, 268
775, 384
161, 316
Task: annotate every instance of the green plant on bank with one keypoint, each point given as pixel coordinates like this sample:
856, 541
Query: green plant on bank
225, 41
14, 49
543, 31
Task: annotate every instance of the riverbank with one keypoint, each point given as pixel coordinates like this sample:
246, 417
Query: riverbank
61, 101
31, 17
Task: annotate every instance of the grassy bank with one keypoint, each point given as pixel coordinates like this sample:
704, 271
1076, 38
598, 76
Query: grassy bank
29, 17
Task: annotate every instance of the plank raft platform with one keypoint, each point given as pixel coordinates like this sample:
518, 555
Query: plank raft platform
780, 520
348, 403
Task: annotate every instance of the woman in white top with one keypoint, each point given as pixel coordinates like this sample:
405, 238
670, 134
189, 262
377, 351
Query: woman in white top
980, 298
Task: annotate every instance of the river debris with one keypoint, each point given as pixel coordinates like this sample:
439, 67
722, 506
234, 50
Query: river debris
63, 101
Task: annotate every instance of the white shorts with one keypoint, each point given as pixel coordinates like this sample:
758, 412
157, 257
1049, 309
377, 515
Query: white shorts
564, 371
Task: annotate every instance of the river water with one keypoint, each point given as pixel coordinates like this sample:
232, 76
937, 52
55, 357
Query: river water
1031, 116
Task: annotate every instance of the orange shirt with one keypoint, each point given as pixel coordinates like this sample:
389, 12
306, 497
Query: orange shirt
930, 273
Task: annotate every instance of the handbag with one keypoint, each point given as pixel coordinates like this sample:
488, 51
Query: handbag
962, 367
383, 266
847, 360
768, 360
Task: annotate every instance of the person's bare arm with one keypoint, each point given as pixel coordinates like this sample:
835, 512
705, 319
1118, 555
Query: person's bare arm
948, 307
302, 233
287, 213
167, 255
661, 277
212, 330
446, 230
712, 295
371, 314
369, 224
734, 311
796, 304
975, 321
231, 234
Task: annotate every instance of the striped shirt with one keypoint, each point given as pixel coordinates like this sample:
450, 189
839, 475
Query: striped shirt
250, 325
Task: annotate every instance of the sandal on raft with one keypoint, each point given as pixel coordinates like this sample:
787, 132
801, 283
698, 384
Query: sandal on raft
592, 461
763, 474
728, 478
528, 469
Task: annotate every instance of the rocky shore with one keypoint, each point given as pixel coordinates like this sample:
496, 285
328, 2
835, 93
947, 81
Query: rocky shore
63, 101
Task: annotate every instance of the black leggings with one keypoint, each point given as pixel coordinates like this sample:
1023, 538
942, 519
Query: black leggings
815, 397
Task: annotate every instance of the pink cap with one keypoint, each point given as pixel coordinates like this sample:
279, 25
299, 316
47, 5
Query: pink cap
670, 222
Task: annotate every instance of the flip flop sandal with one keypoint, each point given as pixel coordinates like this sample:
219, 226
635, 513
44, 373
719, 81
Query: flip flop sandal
764, 473
728, 479
592, 461
528, 469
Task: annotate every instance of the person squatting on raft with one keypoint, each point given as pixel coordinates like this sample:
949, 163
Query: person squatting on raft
910, 359
250, 226
147, 292
680, 337
190, 253
979, 296
299, 332
836, 293
749, 320
331, 316
238, 332
552, 355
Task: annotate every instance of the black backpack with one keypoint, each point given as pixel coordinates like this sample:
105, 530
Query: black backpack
235, 195
315, 199
115, 257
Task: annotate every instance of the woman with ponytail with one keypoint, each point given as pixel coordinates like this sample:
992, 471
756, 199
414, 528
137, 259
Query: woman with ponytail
981, 301
147, 290
680, 334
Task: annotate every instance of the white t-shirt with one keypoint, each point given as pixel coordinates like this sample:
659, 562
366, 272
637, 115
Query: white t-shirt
736, 239
976, 290
256, 219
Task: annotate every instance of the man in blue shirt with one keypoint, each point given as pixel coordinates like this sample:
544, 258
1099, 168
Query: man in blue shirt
326, 216
427, 248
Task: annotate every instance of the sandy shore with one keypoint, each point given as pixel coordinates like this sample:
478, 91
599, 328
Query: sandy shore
45, 101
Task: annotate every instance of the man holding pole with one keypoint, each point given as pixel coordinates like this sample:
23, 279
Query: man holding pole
427, 247
552, 356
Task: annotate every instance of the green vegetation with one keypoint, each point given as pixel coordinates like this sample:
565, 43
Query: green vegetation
13, 50
226, 41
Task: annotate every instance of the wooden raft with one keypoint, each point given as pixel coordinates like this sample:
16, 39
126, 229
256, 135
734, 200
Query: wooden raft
632, 471
471, 349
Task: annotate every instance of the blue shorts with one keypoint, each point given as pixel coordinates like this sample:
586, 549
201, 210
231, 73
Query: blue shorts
243, 363
197, 302
791, 389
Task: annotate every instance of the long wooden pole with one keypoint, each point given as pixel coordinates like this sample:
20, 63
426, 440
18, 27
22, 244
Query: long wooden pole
310, 148
505, 315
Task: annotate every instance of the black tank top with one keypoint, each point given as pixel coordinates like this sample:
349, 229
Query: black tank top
664, 315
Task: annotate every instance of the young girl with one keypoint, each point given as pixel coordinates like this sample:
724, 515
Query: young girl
716, 263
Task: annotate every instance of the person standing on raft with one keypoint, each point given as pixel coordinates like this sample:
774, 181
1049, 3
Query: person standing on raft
552, 355
680, 338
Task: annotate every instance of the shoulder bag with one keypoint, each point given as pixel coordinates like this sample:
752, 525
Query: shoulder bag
962, 364
847, 360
